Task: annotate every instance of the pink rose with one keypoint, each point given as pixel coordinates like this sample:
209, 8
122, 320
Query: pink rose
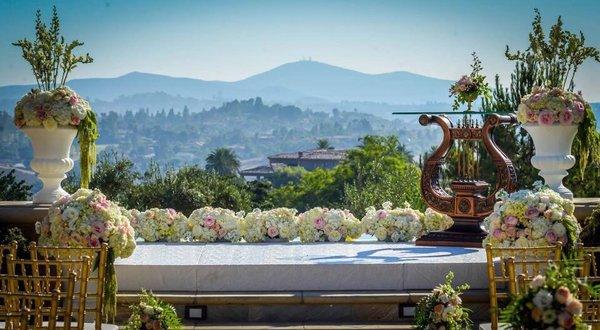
520, 233
209, 221
511, 221
497, 233
73, 100
272, 232
98, 228
562, 295
565, 320
101, 204
41, 113
566, 116
551, 236
93, 241
532, 212
546, 118
574, 307
532, 116
382, 214
511, 232
75, 120
319, 223
216, 227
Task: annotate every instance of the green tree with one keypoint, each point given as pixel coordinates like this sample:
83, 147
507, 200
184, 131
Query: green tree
287, 174
223, 161
323, 144
12, 189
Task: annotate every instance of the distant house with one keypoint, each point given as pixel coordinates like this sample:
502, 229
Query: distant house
310, 160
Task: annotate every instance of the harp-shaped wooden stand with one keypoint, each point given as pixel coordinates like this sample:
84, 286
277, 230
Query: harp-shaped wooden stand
467, 205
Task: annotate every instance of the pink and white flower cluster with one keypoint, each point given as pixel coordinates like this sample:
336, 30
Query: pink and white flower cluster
529, 218
60, 107
443, 309
275, 224
155, 224
550, 106
328, 225
210, 224
393, 224
551, 307
87, 219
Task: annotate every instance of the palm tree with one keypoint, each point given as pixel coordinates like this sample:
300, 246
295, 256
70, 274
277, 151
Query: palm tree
223, 161
323, 144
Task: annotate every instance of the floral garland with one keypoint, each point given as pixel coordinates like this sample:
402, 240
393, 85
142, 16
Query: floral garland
276, 224
210, 224
158, 224
530, 218
443, 309
327, 225
88, 219
393, 225
152, 314
549, 302
436, 221
62, 107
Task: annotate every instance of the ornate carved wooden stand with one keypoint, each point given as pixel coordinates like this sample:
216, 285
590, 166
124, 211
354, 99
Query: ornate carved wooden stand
468, 205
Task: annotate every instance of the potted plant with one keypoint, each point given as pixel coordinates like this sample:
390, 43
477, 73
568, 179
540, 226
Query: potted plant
552, 117
52, 115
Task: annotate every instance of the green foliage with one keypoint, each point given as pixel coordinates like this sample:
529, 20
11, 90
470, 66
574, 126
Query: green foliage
9, 235
549, 61
323, 144
50, 57
286, 175
151, 312
12, 189
185, 189
372, 173
590, 233
223, 161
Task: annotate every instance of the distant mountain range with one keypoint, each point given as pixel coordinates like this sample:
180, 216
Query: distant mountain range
303, 82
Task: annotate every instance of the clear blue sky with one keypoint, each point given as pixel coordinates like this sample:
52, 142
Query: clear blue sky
231, 40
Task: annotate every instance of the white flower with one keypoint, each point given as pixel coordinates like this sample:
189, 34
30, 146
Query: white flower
537, 282
380, 233
559, 229
542, 299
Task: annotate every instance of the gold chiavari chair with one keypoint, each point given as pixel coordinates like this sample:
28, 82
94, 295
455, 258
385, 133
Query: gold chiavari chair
590, 302
49, 268
595, 252
498, 279
528, 269
37, 297
96, 280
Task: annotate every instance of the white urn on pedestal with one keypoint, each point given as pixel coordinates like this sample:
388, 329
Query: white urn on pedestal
51, 160
553, 153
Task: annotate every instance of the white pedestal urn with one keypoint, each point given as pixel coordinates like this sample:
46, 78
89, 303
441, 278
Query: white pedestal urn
51, 160
553, 153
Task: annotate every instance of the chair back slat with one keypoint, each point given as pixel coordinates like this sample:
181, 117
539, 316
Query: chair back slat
5, 250
99, 257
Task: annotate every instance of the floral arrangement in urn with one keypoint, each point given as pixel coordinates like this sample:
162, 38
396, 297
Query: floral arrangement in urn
280, 224
158, 224
550, 302
152, 313
469, 87
88, 219
49, 113
529, 218
443, 309
550, 106
210, 224
393, 224
327, 225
